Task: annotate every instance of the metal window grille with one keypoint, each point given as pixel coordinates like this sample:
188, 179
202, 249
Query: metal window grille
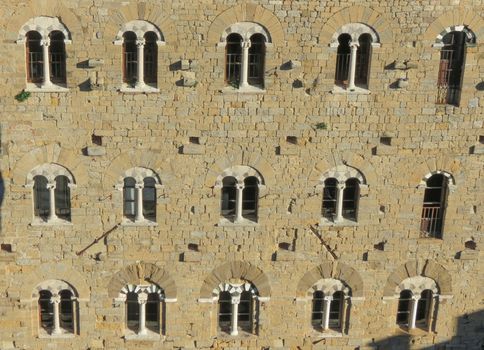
129, 198
130, 58
423, 308
150, 58
35, 58
403, 312
350, 199
451, 68
46, 311
245, 312
66, 311
225, 312
57, 58
317, 313
62, 194
149, 199
363, 55
229, 193
250, 196
41, 197
255, 75
330, 193
132, 311
343, 60
335, 310
431, 222
233, 59
153, 312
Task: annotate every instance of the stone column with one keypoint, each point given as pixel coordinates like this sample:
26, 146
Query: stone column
45, 48
244, 64
238, 202
139, 202
51, 188
339, 202
352, 72
55, 300
413, 311
140, 43
142, 299
326, 308
235, 314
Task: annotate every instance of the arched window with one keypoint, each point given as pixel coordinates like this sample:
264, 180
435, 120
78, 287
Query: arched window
149, 199
46, 311
403, 312
363, 57
41, 198
153, 312
256, 60
225, 312
350, 199
35, 57
66, 311
229, 197
343, 60
129, 198
150, 58
434, 204
250, 195
132, 311
317, 314
130, 58
57, 55
451, 68
336, 311
422, 317
330, 193
233, 58
245, 314
62, 196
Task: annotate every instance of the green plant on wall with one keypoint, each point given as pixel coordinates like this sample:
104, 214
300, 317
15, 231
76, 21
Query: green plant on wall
321, 126
22, 96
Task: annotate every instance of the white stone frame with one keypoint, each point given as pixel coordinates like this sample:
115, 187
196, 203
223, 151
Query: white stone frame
470, 35
341, 173
44, 26
138, 174
50, 171
55, 287
245, 30
416, 285
329, 286
354, 30
139, 28
142, 290
235, 290
240, 173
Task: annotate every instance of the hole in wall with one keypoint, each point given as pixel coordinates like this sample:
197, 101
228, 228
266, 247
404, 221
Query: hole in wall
97, 140
385, 140
194, 140
292, 140
193, 247
5, 247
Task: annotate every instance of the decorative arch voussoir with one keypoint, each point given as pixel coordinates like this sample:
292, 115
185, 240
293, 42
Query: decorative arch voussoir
471, 21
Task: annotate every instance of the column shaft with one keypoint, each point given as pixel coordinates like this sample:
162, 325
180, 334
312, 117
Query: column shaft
45, 51
339, 202
57, 329
141, 63
52, 215
244, 71
238, 202
327, 307
234, 323
139, 203
352, 72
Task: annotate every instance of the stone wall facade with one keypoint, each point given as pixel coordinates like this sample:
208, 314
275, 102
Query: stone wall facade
189, 251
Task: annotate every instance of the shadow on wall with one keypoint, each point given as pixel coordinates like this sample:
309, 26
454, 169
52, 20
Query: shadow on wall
469, 336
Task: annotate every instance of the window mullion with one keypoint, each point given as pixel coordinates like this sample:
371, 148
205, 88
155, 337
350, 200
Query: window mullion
244, 72
139, 202
353, 50
140, 46
45, 51
235, 315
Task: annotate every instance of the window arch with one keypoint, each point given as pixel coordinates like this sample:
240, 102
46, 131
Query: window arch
341, 192
245, 51
139, 187
354, 43
330, 303
45, 39
434, 205
57, 305
417, 300
51, 185
240, 187
140, 41
237, 307
452, 42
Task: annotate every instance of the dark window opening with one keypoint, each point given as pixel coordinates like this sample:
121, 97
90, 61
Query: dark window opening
451, 68
130, 58
403, 312
57, 51
66, 311
245, 312
330, 194
62, 194
336, 311
350, 199
434, 206
317, 313
35, 58
343, 60
41, 197
46, 311
129, 198
149, 199
423, 309
150, 58
229, 194
225, 312
255, 75
233, 58
153, 312
250, 196
363, 60
132, 311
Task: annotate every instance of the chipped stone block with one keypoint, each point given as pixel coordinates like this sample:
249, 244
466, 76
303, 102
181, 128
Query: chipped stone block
288, 150
192, 256
95, 62
469, 254
96, 151
185, 64
192, 148
285, 255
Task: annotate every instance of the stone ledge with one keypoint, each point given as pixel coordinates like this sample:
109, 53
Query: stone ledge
288, 150
193, 149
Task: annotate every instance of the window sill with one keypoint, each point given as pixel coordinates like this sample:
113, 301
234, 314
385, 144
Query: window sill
246, 90
144, 222
150, 335
146, 89
66, 335
330, 333
357, 91
242, 334
31, 87
244, 222
53, 222
413, 332
340, 223
430, 240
